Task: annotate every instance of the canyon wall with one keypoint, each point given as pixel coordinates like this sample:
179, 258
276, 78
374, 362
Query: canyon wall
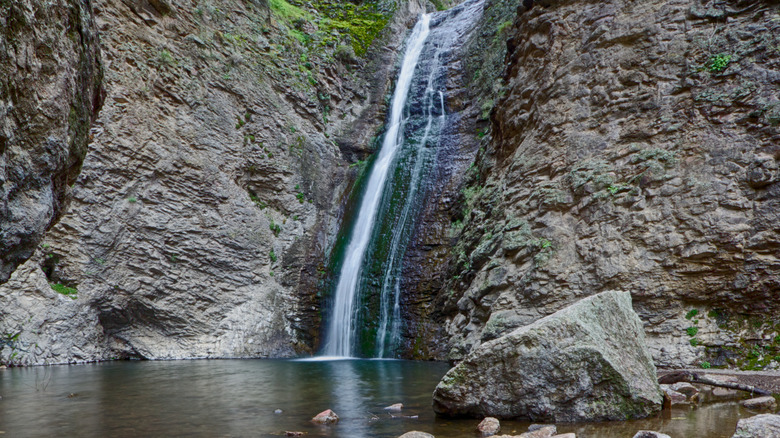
50, 76
635, 147
215, 183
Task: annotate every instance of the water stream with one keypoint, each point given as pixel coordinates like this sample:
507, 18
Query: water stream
365, 317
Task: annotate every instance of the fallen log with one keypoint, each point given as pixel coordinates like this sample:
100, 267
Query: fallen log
691, 377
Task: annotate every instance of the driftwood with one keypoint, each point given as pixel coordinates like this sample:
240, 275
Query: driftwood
691, 377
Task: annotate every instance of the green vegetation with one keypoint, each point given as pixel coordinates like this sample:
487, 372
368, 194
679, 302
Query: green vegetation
65, 290
718, 63
285, 10
692, 331
132, 200
275, 228
706, 365
272, 256
165, 58
337, 22
691, 314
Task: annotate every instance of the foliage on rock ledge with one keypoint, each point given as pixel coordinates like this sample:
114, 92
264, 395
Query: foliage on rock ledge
328, 23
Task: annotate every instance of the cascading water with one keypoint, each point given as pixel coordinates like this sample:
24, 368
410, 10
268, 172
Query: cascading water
395, 190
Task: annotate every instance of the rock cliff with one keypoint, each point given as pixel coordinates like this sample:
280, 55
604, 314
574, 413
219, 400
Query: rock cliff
50, 76
635, 147
215, 183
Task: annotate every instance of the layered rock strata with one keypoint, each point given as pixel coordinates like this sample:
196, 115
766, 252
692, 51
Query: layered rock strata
635, 147
50, 91
215, 183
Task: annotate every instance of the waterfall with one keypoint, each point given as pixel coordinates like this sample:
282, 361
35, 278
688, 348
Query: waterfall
396, 185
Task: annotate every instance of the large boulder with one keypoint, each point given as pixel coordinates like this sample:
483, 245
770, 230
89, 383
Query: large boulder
764, 426
587, 362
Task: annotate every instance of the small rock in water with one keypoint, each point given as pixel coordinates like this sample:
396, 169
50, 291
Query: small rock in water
540, 431
650, 434
278, 411
293, 433
764, 426
416, 434
489, 426
326, 417
760, 403
395, 408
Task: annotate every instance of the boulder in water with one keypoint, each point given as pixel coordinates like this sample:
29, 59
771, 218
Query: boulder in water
587, 362
489, 426
326, 417
764, 426
766, 403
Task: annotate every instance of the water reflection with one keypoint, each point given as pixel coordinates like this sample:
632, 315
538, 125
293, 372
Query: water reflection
237, 398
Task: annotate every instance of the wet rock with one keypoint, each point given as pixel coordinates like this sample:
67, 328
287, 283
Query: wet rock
760, 403
278, 411
294, 433
684, 388
764, 426
416, 434
650, 434
541, 431
676, 398
587, 362
489, 426
326, 417
395, 407
565, 435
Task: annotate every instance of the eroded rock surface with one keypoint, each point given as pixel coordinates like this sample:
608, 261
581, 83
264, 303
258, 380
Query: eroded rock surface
50, 79
636, 148
587, 362
218, 174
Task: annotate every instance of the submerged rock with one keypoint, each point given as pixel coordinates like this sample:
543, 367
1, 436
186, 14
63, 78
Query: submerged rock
650, 434
760, 403
489, 426
416, 434
764, 426
326, 417
395, 407
587, 362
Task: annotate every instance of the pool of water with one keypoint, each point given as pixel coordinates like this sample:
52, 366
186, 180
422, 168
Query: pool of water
237, 398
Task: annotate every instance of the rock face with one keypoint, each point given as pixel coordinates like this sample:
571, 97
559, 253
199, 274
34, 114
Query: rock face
50, 79
218, 174
764, 426
635, 147
587, 362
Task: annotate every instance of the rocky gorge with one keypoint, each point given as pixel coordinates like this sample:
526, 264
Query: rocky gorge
595, 146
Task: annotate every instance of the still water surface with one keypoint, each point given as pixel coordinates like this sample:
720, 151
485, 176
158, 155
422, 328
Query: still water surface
237, 398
